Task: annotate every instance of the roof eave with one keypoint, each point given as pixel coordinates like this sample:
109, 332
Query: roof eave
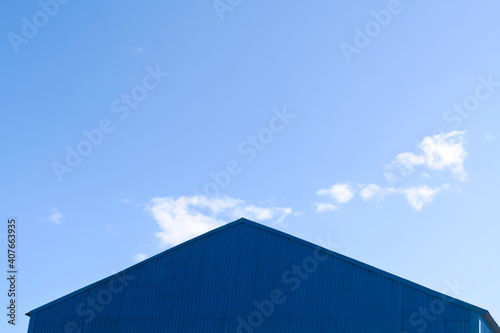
491, 321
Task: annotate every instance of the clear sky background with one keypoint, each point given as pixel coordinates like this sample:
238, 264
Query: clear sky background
387, 149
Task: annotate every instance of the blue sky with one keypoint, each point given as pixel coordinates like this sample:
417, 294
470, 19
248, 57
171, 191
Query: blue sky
370, 128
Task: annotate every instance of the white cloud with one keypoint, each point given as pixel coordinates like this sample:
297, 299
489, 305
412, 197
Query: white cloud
322, 207
185, 217
253, 212
438, 152
140, 257
490, 137
138, 49
417, 197
341, 193
55, 216
371, 191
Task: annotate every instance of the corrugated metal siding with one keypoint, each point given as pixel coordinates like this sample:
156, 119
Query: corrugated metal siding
207, 284
486, 328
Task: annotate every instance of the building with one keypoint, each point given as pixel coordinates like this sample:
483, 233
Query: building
246, 277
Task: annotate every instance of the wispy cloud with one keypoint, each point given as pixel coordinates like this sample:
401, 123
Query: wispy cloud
341, 193
438, 152
322, 207
418, 196
55, 216
140, 257
371, 192
253, 212
490, 137
185, 217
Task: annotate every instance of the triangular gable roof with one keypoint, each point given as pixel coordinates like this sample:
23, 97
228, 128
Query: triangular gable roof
484, 313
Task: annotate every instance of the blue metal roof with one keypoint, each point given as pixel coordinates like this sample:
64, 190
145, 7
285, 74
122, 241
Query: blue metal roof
216, 282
